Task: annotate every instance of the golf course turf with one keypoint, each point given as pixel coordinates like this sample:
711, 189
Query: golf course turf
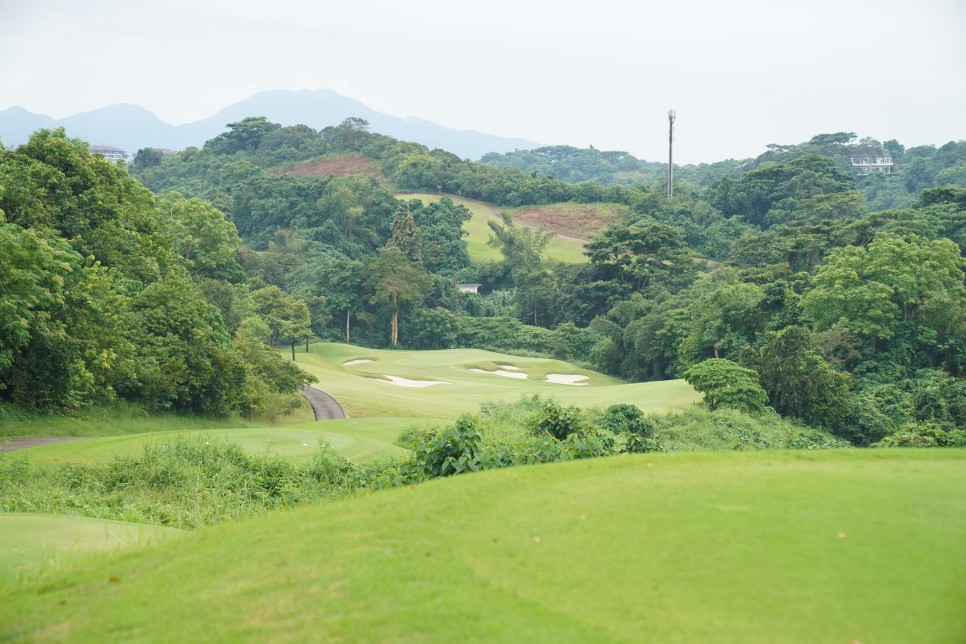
834, 546
772, 546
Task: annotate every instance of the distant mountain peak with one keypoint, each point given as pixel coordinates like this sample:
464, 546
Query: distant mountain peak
132, 127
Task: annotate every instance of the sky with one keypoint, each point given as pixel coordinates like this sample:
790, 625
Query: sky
740, 74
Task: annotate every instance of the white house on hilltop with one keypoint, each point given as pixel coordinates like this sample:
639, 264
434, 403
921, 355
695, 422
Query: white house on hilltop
870, 164
110, 153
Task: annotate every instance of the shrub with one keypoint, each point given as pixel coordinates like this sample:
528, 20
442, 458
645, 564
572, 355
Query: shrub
416, 434
557, 421
627, 418
455, 450
727, 384
924, 434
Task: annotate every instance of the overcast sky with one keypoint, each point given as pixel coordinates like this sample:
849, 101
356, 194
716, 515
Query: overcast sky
741, 74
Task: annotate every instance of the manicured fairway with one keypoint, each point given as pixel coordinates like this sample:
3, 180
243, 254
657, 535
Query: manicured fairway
564, 249
362, 390
32, 542
848, 546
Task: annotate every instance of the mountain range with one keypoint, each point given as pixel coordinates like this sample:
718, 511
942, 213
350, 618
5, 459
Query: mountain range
131, 127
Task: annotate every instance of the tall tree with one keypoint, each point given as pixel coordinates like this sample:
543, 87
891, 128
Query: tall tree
404, 236
392, 273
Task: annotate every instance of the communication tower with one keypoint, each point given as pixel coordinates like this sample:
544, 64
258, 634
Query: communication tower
671, 115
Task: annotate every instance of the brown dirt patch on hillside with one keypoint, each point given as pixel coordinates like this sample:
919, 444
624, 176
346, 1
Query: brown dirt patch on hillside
339, 166
581, 221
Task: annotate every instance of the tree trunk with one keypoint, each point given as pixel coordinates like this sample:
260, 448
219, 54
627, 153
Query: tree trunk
348, 337
394, 331
293, 350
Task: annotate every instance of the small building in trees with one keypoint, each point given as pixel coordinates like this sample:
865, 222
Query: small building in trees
871, 164
112, 154
469, 288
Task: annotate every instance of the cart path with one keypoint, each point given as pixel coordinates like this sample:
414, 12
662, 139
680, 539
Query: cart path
324, 405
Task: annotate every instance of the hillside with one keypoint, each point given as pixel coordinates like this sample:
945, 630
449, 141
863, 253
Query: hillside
338, 166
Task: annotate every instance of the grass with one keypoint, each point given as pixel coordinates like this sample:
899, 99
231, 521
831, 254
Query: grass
358, 439
769, 546
122, 419
34, 542
362, 392
562, 249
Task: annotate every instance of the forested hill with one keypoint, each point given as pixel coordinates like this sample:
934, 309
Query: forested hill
819, 309
913, 169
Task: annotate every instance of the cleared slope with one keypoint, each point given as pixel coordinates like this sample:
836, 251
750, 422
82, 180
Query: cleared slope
564, 249
832, 546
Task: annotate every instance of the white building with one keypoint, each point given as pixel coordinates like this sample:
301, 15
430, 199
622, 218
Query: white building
111, 154
868, 165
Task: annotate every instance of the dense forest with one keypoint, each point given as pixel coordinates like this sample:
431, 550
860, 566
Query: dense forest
782, 283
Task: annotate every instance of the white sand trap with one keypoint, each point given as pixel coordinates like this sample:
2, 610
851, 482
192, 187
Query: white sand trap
506, 374
352, 362
406, 382
508, 366
567, 379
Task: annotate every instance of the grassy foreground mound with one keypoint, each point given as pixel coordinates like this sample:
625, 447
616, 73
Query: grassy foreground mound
34, 541
767, 546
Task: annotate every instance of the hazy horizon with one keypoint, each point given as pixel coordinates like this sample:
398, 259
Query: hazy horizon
740, 75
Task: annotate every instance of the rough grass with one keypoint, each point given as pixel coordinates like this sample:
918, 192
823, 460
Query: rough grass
120, 419
562, 249
358, 439
769, 546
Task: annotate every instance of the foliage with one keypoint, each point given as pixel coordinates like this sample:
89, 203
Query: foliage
557, 421
101, 296
924, 434
727, 384
624, 417
453, 451
183, 483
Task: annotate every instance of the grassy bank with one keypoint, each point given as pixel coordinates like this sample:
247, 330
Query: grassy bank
768, 546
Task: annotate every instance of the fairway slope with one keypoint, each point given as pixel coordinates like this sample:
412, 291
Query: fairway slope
358, 378
792, 547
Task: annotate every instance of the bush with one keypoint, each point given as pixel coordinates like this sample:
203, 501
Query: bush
727, 384
455, 450
416, 434
627, 418
924, 434
557, 421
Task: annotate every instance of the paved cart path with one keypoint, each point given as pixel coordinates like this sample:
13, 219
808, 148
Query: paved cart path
324, 405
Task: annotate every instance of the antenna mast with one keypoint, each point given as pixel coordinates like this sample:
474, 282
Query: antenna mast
671, 115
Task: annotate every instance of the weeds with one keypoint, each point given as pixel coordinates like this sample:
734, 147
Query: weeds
186, 482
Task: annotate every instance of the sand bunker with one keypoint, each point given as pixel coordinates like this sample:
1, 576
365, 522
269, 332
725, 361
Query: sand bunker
506, 374
406, 382
508, 366
567, 379
352, 362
